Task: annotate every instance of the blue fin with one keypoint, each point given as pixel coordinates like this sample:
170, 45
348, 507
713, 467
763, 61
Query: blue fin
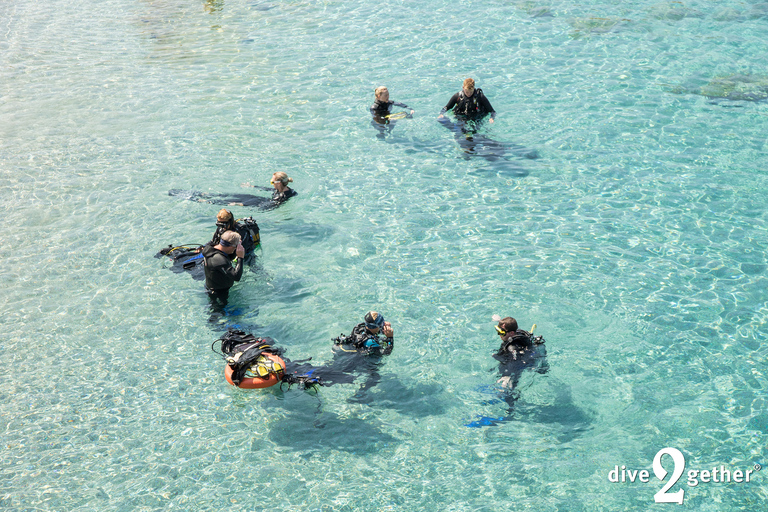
484, 421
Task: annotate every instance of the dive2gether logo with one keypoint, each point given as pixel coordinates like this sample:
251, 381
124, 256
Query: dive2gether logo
695, 476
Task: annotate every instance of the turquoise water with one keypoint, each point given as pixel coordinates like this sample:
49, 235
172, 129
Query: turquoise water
636, 242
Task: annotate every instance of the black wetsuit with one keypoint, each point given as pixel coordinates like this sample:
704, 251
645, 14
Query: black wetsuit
362, 356
472, 108
328, 374
220, 275
384, 108
261, 202
381, 110
517, 353
279, 198
515, 341
367, 343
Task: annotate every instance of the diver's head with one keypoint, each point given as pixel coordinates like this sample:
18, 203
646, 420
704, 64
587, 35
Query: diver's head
373, 322
468, 86
229, 241
506, 325
382, 93
280, 180
225, 219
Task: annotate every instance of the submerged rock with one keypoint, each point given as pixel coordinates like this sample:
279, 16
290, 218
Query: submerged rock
737, 87
728, 14
586, 26
674, 11
758, 11
535, 10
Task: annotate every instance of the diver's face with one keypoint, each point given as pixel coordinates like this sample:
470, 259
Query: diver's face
375, 330
468, 92
384, 96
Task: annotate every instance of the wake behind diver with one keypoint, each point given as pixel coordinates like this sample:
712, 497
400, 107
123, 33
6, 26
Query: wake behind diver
498, 154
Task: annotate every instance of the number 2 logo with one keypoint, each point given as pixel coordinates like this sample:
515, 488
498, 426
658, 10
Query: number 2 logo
677, 457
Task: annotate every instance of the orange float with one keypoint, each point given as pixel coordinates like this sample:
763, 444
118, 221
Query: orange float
267, 371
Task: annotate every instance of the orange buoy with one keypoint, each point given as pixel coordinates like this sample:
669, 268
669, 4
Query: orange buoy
267, 371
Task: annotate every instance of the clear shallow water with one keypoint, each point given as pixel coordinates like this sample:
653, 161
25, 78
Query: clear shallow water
637, 243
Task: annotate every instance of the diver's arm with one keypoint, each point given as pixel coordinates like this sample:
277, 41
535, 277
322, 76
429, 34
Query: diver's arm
403, 105
487, 107
234, 273
451, 103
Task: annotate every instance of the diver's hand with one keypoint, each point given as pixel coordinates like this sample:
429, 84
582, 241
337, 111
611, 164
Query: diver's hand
412, 111
491, 120
387, 331
504, 381
246, 185
240, 251
440, 116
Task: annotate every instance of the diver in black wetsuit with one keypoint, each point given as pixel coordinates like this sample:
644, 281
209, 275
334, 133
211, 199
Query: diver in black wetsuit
220, 275
281, 192
519, 351
345, 368
381, 110
374, 336
361, 351
470, 106
247, 228
189, 258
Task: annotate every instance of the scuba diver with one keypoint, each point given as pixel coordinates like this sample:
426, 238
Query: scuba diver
383, 117
281, 192
501, 156
469, 106
374, 336
220, 274
189, 257
519, 351
247, 228
362, 351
